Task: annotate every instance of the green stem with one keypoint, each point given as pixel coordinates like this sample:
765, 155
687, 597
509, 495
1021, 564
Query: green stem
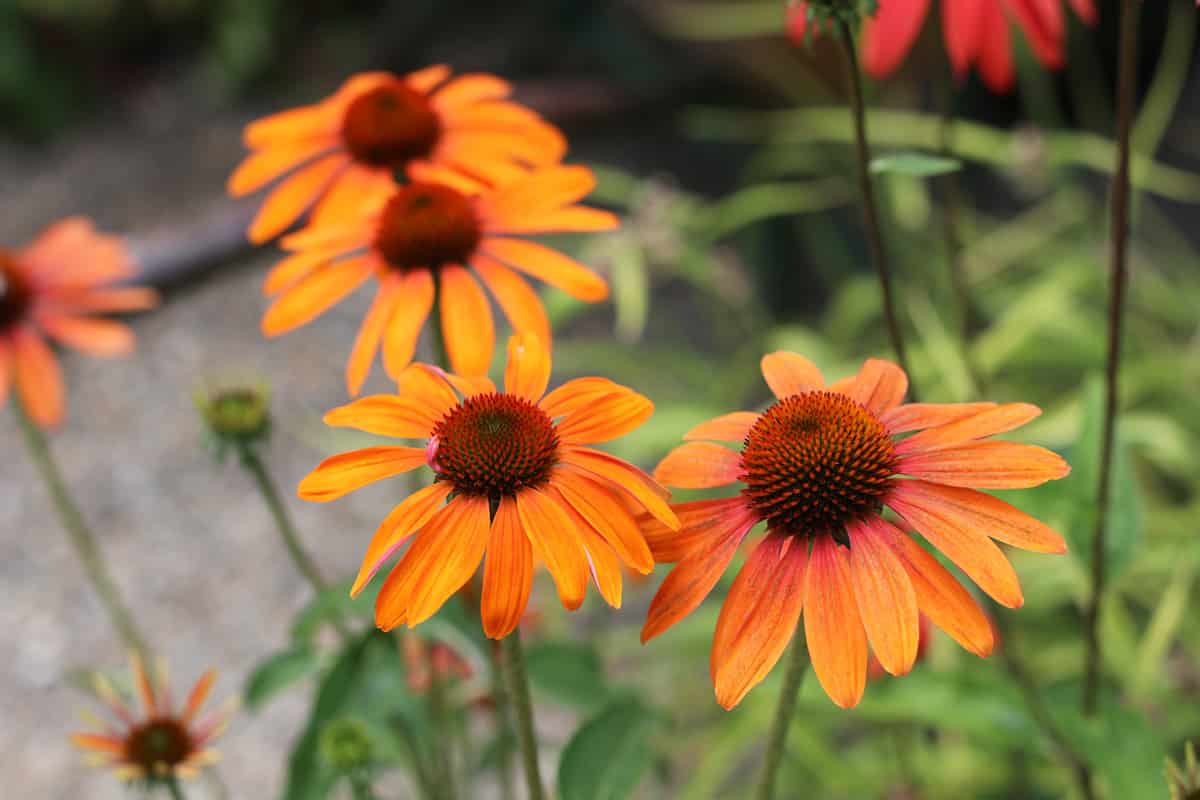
870, 207
518, 688
503, 714
777, 737
86, 547
1118, 258
439, 711
174, 789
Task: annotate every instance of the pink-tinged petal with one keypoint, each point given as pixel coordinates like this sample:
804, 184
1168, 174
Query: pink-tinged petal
604, 512
344, 473
982, 514
640, 486
879, 386
940, 597
973, 553
837, 643
606, 418
986, 465
552, 534
467, 386
732, 427
886, 601
700, 524
507, 573
404, 520
988, 422
788, 374
528, 370
699, 465
759, 617
889, 35
918, 416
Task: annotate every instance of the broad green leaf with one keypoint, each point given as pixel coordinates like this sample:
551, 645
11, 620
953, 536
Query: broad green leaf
278, 672
916, 165
567, 671
606, 757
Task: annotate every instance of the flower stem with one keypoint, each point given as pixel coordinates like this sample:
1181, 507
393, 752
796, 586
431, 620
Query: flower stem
518, 690
1119, 278
870, 207
777, 738
86, 547
174, 789
503, 714
443, 771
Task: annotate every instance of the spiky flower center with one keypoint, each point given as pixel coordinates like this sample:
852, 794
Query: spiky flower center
425, 225
492, 445
390, 126
157, 743
815, 461
15, 294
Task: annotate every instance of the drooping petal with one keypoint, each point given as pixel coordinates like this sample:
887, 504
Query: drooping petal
837, 642
366, 343
507, 572
880, 385
759, 617
316, 294
988, 422
699, 465
551, 532
528, 370
918, 416
403, 521
415, 301
700, 521
981, 513
606, 418
384, 415
886, 601
733, 427
788, 374
466, 321
38, 377
602, 561
986, 465
640, 486
290, 199
889, 35
596, 504
339, 475
549, 266
517, 299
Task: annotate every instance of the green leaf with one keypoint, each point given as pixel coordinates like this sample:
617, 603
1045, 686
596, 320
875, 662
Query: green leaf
332, 604
1118, 742
606, 757
569, 672
916, 165
278, 672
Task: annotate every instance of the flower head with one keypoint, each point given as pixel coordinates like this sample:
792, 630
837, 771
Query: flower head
514, 479
442, 232
159, 743
378, 124
976, 31
818, 467
53, 288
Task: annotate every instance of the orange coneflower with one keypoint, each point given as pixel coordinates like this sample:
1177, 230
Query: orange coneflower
53, 287
818, 467
378, 124
448, 231
519, 479
160, 743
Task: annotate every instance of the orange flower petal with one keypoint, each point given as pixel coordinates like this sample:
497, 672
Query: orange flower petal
306, 122
466, 321
694, 577
575, 394
403, 521
549, 266
507, 573
339, 475
97, 337
39, 378
788, 374
699, 522
114, 745
316, 294
972, 552
606, 418
880, 385
538, 193
428, 388
917, 416
120, 299
468, 89
332, 236
552, 534
366, 343
837, 643
939, 596
384, 415
143, 685
295, 267
577, 219
982, 514
443, 556
528, 369
986, 465
532, 145
467, 386
978, 426
290, 199
6, 371
607, 515
357, 191
425, 80
603, 564
732, 427
886, 601
261, 167
759, 617
426, 172
517, 299
640, 486
699, 465
415, 301
197, 696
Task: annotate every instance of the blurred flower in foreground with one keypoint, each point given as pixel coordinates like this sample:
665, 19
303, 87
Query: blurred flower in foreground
377, 124
519, 479
818, 467
1184, 782
442, 232
52, 288
159, 744
976, 31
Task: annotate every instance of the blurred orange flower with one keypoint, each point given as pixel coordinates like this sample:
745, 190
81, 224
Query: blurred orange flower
519, 479
447, 232
53, 287
160, 743
818, 467
378, 124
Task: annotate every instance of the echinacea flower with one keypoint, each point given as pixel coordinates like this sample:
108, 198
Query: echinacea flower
818, 467
977, 34
514, 479
53, 288
157, 743
440, 234
378, 124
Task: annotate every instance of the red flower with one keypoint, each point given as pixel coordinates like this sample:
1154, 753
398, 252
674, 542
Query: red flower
977, 34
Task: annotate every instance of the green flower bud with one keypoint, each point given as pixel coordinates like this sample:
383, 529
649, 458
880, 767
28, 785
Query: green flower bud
345, 745
234, 415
